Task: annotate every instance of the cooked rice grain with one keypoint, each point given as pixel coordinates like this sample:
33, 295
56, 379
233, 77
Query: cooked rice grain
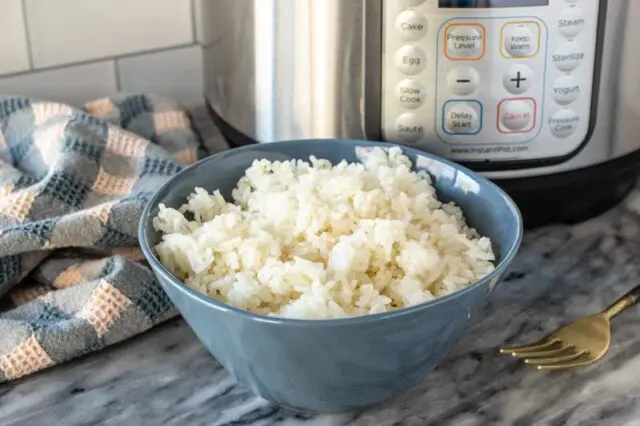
314, 241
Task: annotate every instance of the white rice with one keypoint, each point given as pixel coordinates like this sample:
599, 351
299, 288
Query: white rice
313, 241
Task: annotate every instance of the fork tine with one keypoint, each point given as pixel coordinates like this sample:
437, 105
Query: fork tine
541, 344
582, 361
553, 360
557, 349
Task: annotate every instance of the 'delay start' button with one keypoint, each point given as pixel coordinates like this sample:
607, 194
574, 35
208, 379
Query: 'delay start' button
462, 117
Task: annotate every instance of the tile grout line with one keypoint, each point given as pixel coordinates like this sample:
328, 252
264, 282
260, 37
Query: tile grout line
27, 35
194, 31
98, 60
116, 70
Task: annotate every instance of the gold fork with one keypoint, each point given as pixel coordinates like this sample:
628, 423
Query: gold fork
577, 344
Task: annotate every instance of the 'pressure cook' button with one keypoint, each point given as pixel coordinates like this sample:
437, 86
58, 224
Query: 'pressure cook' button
410, 93
518, 79
463, 81
411, 25
564, 123
566, 90
568, 56
465, 41
461, 118
409, 128
516, 115
521, 39
571, 21
411, 60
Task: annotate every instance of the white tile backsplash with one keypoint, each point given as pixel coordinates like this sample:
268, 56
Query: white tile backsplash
66, 31
74, 85
176, 73
76, 50
14, 53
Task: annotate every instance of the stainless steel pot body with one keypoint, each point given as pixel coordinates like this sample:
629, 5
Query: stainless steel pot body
304, 69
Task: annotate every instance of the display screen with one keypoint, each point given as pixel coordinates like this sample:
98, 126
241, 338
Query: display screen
470, 4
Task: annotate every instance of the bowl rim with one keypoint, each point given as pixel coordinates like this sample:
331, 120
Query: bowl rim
159, 269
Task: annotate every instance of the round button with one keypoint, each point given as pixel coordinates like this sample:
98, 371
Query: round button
409, 127
571, 21
410, 93
465, 42
463, 80
461, 118
568, 56
518, 79
516, 115
564, 123
519, 41
411, 25
566, 90
411, 60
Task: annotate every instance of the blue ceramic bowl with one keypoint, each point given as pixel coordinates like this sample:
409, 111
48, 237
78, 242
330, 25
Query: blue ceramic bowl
342, 364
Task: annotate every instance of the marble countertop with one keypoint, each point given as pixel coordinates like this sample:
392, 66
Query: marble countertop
166, 376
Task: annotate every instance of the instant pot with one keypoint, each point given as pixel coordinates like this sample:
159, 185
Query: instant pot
541, 96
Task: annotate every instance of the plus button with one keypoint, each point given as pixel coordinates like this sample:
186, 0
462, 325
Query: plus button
519, 79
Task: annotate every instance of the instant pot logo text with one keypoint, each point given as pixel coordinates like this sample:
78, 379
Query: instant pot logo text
489, 149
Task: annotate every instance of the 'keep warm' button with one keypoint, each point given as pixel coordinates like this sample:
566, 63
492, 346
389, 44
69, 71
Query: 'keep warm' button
520, 39
516, 115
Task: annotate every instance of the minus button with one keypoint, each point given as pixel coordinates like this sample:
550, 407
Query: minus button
463, 81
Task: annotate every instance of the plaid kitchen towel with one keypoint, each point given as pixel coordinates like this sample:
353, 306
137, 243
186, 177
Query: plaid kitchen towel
72, 186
